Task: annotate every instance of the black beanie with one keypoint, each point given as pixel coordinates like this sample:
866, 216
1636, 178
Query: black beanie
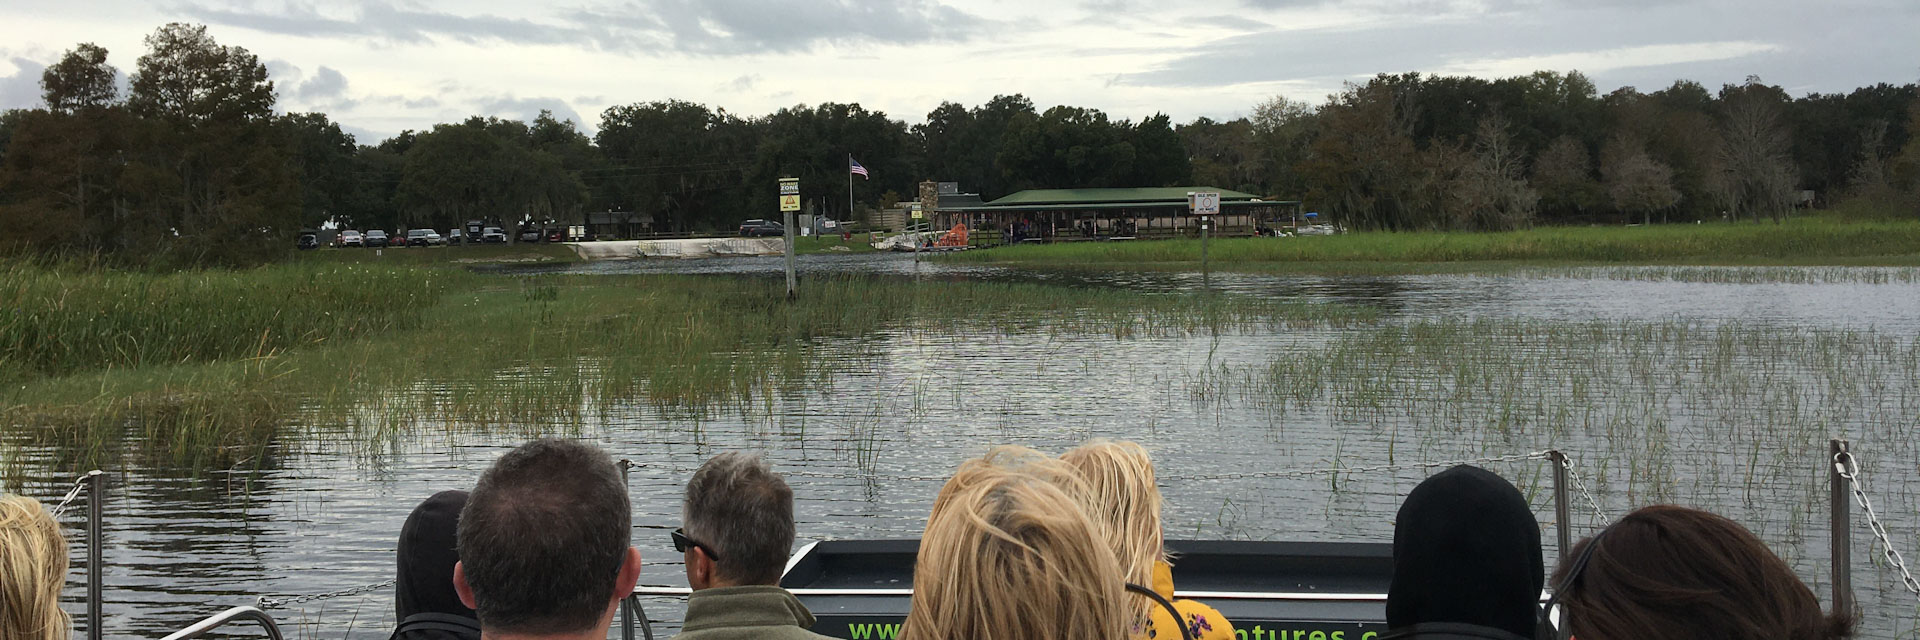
423, 577
1466, 550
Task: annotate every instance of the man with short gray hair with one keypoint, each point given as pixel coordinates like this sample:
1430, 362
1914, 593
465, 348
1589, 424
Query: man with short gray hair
737, 530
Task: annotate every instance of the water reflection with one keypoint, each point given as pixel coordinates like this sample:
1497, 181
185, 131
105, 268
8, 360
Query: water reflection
1834, 298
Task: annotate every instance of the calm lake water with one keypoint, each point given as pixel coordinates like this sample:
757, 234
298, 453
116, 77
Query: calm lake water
1717, 395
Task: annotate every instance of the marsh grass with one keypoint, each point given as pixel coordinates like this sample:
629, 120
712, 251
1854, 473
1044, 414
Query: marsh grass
1728, 275
62, 320
1734, 415
1801, 241
379, 353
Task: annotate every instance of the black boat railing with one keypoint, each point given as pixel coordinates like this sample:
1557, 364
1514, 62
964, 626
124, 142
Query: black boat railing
235, 614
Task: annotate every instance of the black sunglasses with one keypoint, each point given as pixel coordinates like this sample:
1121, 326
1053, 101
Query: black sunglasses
681, 543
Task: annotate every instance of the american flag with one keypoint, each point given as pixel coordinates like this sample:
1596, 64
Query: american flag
854, 166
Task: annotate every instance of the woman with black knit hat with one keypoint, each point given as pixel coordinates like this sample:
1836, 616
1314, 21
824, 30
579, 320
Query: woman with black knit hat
1466, 561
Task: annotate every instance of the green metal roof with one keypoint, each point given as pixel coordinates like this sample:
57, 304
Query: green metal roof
1175, 205
1111, 196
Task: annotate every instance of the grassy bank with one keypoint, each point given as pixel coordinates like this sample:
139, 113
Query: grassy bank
1799, 242
210, 368
433, 256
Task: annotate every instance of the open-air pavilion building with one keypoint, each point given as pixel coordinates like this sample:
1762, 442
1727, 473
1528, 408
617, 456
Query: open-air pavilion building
1072, 214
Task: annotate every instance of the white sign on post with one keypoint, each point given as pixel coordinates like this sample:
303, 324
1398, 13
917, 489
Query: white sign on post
1204, 203
789, 194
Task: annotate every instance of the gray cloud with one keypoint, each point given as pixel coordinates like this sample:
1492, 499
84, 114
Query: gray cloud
326, 83
22, 89
1879, 45
725, 27
283, 73
526, 109
741, 84
382, 23
714, 27
1233, 23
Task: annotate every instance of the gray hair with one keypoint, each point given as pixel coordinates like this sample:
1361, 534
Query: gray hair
542, 538
738, 506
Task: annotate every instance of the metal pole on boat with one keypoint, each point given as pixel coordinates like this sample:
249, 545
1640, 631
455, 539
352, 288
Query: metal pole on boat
626, 604
1563, 528
96, 494
1842, 514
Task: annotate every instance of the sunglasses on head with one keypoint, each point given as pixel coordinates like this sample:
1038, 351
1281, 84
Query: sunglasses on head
682, 543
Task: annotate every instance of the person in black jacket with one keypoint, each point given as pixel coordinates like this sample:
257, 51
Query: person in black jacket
1466, 561
425, 604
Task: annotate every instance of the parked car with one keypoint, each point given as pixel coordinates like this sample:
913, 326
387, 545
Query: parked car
351, 238
308, 240
493, 235
752, 228
530, 234
423, 238
557, 235
455, 236
376, 238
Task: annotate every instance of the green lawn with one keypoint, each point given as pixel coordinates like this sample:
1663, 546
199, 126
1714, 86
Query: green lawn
1806, 241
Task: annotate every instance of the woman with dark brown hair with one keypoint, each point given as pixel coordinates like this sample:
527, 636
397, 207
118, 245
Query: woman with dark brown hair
1667, 572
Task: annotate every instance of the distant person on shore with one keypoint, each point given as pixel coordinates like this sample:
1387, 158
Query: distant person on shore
1466, 561
545, 547
1672, 573
1009, 555
33, 568
737, 533
1126, 500
425, 604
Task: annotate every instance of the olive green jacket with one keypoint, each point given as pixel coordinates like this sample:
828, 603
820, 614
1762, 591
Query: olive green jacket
747, 613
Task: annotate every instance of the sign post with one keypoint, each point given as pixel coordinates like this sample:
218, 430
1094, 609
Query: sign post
918, 216
1205, 205
789, 203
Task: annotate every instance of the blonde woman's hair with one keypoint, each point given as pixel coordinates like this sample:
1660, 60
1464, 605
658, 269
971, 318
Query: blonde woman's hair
33, 568
1010, 555
1125, 501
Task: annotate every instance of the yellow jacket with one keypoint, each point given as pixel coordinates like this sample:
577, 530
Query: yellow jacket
1205, 622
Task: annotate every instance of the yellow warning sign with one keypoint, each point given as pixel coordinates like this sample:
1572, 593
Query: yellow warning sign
789, 203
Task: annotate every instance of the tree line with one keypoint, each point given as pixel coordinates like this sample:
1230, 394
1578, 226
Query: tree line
195, 166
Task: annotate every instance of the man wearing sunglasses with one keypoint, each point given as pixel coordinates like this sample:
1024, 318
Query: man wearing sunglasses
737, 533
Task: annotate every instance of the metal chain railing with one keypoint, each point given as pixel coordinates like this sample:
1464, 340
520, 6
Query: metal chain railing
266, 602
1849, 468
1581, 486
1305, 473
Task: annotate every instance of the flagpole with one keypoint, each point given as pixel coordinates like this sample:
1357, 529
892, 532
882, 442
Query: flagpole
849, 187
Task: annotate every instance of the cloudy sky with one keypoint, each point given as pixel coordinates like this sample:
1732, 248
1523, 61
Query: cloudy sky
379, 67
